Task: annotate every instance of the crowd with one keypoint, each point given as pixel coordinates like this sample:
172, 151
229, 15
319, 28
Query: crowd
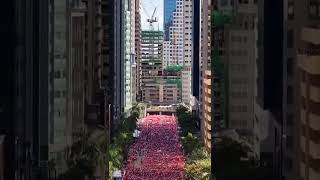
156, 154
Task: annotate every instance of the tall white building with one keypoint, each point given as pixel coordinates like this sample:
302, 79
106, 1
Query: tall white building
176, 36
129, 52
187, 35
167, 54
178, 50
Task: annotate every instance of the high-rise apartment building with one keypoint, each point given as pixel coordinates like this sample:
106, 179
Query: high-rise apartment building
305, 39
167, 54
234, 69
204, 65
24, 92
60, 62
176, 34
118, 59
207, 111
76, 67
129, 52
241, 58
178, 47
138, 73
187, 51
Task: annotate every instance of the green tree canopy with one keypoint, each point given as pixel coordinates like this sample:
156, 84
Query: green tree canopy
231, 161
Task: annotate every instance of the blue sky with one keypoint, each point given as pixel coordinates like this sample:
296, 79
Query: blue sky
147, 7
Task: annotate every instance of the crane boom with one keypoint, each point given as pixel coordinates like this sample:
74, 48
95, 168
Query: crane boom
154, 11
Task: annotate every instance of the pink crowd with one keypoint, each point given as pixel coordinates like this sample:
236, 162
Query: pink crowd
156, 153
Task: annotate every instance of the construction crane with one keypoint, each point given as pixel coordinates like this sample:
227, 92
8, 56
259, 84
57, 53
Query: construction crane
152, 20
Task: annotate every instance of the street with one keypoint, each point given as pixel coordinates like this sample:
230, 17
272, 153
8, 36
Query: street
156, 153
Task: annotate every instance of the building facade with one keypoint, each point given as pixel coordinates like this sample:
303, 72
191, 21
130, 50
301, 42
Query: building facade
137, 49
129, 46
204, 65
60, 126
207, 132
169, 8
24, 96
161, 92
151, 59
187, 51
307, 75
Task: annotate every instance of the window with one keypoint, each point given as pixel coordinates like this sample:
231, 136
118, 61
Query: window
239, 80
314, 9
290, 10
239, 67
239, 94
224, 2
57, 94
290, 66
289, 95
288, 164
243, 1
236, 39
57, 74
290, 119
239, 108
290, 37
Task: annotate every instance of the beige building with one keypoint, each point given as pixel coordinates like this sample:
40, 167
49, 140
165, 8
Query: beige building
207, 109
308, 97
309, 124
204, 57
161, 92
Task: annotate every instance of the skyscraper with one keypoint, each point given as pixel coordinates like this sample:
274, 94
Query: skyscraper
129, 52
24, 92
205, 71
137, 49
169, 8
187, 51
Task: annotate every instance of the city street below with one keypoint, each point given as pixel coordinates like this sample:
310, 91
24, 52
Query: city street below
157, 153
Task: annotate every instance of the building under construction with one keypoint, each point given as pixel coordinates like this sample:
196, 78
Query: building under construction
156, 88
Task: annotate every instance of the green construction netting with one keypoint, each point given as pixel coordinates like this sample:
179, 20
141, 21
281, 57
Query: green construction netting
218, 19
174, 68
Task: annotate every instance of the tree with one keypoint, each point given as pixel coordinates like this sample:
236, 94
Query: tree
231, 161
123, 138
199, 169
85, 154
189, 143
185, 120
